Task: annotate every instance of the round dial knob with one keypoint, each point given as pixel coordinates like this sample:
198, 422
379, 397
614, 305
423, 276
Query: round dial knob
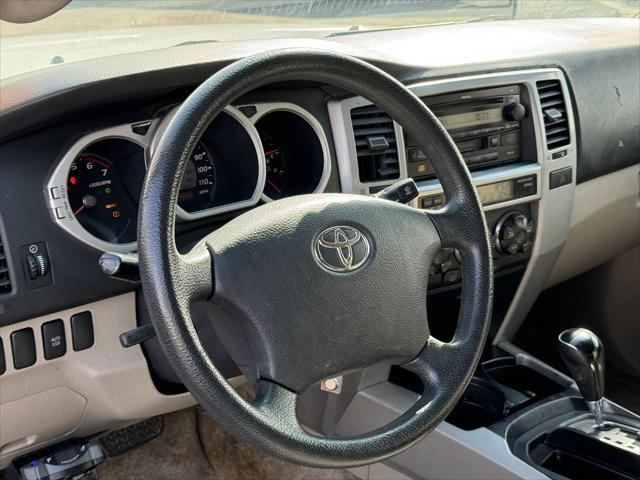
514, 234
515, 112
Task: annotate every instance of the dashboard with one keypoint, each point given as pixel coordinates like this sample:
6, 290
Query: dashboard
252, 153
541, 120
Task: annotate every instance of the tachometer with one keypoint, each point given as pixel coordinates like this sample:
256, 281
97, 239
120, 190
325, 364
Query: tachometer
294, 152
276, 181
100, 201
199, 181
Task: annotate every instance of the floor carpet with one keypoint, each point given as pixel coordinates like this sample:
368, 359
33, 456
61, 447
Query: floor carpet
176, 454
194, 447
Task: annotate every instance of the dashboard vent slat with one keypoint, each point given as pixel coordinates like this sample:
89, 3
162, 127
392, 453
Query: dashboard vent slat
5, 281
373, 128
554, 113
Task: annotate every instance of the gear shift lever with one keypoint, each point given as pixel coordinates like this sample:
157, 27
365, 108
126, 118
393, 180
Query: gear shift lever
583, 353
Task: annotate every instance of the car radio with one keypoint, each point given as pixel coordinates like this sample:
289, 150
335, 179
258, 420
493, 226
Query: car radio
485, 124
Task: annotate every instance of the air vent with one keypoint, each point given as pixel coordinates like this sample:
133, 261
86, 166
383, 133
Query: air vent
5, 282
554, 114
375, 144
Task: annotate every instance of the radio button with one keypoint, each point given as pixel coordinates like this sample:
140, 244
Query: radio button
469, 145
485, 157
525, 186
510, 138
493, 141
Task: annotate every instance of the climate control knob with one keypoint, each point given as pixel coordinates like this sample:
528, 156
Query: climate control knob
515, 112
514, 233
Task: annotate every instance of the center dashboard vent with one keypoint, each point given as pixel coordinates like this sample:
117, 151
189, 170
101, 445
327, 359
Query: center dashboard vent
5, 282
376, 145
554, 113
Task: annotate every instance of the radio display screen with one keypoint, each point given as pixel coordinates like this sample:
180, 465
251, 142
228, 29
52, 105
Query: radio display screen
496, 192
471, 119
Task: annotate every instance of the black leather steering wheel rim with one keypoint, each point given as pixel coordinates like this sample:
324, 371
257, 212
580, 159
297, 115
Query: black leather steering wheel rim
171, 281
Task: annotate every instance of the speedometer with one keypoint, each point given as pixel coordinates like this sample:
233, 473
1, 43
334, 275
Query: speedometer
199, 180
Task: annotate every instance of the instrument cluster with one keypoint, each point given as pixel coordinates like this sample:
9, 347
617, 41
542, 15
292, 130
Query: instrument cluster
261, 152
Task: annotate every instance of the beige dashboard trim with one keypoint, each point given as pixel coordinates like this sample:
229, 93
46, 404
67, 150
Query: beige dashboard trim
81, 393
605, 222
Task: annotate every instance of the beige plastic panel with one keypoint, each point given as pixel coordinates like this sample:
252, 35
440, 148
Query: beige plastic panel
81, 393
32, 420
605, 222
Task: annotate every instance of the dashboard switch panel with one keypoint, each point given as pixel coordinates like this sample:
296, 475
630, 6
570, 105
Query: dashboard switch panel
82, 331
23, 347
53, 339
36, 265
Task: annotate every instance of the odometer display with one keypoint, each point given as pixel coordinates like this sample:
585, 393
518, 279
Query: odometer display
198, 185
99, 199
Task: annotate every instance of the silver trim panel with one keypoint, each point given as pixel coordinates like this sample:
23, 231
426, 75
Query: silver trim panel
181, 213
485, 177
56, 192
265, 108
56, 187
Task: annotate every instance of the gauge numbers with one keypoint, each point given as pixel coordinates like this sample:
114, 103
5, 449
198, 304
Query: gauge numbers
198, 185
99, 200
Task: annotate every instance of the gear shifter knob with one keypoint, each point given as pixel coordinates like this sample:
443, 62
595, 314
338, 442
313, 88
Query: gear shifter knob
583, 353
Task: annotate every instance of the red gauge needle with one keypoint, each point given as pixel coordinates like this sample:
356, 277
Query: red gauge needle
274, 186
79, 210
270, 152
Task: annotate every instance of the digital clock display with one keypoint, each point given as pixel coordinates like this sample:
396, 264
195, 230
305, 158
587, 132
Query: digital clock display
496, 192
471, 119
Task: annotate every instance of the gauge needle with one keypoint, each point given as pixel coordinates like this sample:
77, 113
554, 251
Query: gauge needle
271, 152
79, 210
274, 186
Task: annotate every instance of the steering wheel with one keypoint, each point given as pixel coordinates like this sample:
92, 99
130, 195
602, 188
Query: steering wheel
315, 285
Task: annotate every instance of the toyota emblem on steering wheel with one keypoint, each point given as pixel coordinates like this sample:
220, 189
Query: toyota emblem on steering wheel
341, 249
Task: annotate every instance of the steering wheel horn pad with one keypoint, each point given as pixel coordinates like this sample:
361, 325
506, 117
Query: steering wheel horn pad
281, 309
288, 307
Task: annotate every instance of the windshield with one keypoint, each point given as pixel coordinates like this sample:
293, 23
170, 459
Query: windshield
86, 29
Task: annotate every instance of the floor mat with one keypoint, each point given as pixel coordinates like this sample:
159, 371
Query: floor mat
175, 454
194, 447
235, 460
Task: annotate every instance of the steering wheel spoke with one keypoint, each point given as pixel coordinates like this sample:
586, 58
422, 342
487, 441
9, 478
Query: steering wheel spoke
437, 368
275, 401
195, 272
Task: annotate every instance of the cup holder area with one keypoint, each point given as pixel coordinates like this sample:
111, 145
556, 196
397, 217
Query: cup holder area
500, 387
481, 405
575, 454
521, 378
